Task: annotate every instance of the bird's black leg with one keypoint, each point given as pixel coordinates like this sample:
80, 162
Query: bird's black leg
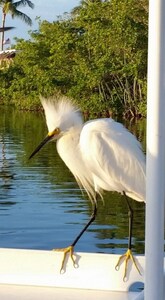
70, 249
130, 218
128, 255
92, 218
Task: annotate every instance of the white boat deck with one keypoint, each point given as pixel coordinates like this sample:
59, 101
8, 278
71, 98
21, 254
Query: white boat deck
14, 292
33, 274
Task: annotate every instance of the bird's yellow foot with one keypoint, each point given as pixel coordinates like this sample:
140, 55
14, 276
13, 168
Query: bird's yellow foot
66, 251
128, 255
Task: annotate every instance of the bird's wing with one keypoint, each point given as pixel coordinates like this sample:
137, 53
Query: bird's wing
114, 156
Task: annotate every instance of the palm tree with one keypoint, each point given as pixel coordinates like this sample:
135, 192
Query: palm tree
11, 7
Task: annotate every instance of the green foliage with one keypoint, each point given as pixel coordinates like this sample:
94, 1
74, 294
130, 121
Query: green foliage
96, 55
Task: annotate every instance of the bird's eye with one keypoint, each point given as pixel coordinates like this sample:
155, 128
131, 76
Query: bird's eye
54, 132
57, 131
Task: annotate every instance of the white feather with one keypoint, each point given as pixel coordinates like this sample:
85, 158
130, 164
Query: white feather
102, 154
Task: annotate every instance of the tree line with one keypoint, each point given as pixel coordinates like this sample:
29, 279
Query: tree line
96, 55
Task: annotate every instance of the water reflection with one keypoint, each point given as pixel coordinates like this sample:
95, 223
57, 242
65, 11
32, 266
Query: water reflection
41, 206
6, 175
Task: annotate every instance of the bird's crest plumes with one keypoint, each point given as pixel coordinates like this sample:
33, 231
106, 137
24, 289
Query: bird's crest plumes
61, 112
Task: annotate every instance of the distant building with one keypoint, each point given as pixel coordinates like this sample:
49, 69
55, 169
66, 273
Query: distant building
6, 57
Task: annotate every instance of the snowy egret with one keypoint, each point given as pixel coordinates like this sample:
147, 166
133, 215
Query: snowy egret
102, 155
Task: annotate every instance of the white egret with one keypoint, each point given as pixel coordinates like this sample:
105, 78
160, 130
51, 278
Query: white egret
102, 155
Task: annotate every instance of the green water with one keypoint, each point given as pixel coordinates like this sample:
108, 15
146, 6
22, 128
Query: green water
41, 206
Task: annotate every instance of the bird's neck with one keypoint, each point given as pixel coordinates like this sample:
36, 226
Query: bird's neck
68, 144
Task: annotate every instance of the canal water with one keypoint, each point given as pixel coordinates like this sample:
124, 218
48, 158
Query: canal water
41, 206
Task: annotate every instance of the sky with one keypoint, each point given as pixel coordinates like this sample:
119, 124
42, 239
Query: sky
46, 10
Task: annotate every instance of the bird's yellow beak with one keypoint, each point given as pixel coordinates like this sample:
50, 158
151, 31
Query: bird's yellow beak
44, 142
